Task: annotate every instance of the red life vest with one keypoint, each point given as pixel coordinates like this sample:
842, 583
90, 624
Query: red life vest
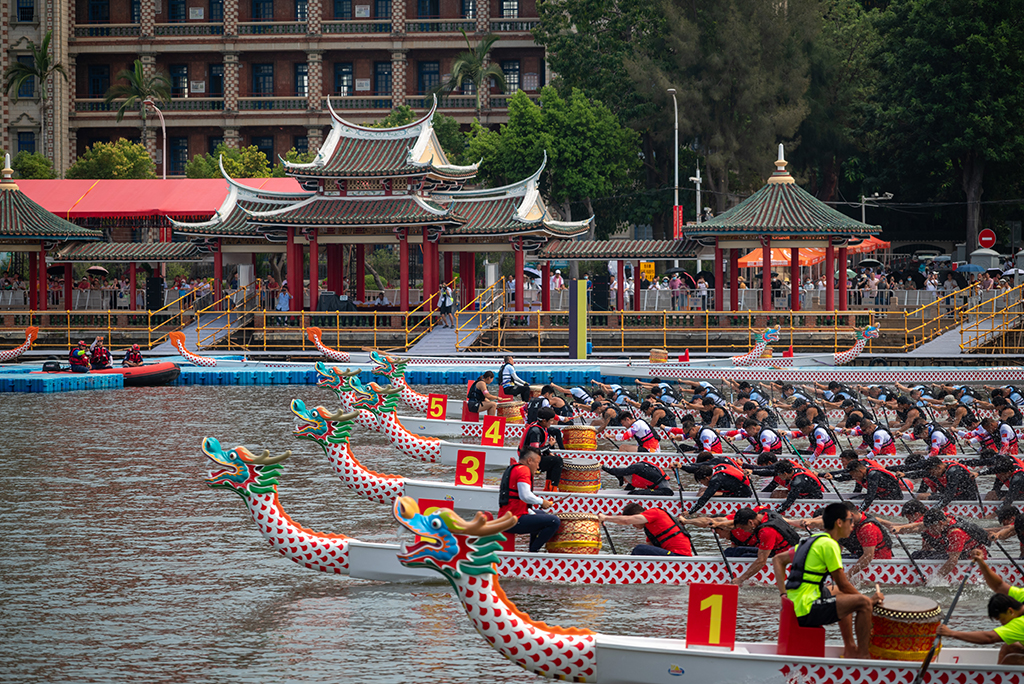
640, 482
732, 471
666, 533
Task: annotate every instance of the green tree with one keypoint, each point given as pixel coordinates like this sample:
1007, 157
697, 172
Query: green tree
472, 67
31, 165
950, 98
42, 68
247, 162
446, 128
295, 157
136, 89
119, 159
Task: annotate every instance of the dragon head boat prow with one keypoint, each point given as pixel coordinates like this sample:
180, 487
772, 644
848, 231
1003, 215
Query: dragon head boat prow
465, 553
241, 470
320, 425
389, 366
374, 398
333, 378
315, 336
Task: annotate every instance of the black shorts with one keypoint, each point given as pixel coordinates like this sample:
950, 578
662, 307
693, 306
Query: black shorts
823, 611
473, 407
446, 309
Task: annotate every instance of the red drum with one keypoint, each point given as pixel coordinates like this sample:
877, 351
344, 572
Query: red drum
903, 628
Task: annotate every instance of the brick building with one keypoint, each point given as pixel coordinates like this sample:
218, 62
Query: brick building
253, 72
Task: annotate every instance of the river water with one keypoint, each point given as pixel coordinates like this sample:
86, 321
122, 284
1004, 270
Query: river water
119, 564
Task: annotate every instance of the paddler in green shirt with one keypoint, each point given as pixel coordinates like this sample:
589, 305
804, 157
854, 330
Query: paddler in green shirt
816, 559
1006, 606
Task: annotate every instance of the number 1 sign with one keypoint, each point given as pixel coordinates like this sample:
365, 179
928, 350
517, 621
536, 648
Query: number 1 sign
711, 616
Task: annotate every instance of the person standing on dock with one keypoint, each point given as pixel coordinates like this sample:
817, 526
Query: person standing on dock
511, 383
815, 560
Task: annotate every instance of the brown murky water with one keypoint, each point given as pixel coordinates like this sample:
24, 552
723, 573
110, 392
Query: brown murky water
118, 564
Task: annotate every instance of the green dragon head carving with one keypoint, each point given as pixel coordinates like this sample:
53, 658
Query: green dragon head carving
322, 426
241, 471
375, 399
389, 366
448, 544
334, 379
868, 333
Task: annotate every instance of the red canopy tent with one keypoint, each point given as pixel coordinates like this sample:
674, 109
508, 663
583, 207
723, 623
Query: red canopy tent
872, 244
809, 256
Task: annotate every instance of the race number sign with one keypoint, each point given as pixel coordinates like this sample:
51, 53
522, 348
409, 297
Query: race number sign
437, 406
711, 616
469, 468
494, 431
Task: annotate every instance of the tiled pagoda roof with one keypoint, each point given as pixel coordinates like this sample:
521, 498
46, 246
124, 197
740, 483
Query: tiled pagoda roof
396, 210
618, 249
113, 252
23, 219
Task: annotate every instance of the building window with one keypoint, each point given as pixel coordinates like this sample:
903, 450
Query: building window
511, 69
342, 9
383, 9
177, 149
136, 11
28, 88
179, 79
26, 141
429, 76
26, 11
343, 83
382, 78
301, 144
99, 80
212, 143
215, 87
265, 144
468, 87
216, 10
301, 79
469, 9
509, 9
427, 9
262, 10
301, 10
99, 11
176, 12
262, 79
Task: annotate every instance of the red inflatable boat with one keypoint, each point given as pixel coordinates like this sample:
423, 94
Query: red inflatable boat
149, 375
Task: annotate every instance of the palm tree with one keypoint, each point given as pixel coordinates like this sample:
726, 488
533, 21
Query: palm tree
136, 89
469, 67
42, 68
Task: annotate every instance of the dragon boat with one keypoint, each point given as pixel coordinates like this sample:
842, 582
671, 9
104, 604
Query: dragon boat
465, 553
31, 333
255, 480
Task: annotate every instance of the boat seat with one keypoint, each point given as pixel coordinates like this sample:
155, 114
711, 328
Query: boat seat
510, 542
795, 640
467, 415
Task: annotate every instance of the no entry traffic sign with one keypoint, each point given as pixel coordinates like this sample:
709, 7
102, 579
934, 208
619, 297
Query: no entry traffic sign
987, 238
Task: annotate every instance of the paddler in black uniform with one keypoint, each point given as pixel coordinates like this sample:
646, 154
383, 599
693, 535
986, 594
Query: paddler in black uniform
1012, 521
811, 412
723, 479
537, 438
479, 399
816, 559
951, 481
878, 483
641, 478
801, 482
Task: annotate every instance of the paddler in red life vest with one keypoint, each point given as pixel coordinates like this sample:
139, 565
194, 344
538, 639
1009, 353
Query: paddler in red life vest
722, 479
878, 483
1004, 437
638, 429
666, 535
1012, 521
1009, 473
870, 538
641, 478
815, 560
772, 536
821, 437
132, 357
537, 437
949, 481
99, 356
802, 483
79, 358
881, 440
515, 495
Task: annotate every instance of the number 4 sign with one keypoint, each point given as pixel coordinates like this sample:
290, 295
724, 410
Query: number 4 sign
437, 406
711, 615
494, 431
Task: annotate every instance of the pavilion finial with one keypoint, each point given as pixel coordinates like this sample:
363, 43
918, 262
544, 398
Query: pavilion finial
8, 180
780, 176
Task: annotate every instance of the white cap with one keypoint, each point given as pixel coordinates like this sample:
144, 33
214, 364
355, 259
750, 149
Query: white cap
558, 271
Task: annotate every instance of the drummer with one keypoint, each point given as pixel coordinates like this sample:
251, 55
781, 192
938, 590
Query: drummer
479, 399
538, 437
667, 535
869, 540
1005, 607
817, 558
515, 495
512, 384
642, 477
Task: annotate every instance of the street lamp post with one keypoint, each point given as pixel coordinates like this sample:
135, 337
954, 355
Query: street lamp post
697, 179
163, 127
675, 185
873, 198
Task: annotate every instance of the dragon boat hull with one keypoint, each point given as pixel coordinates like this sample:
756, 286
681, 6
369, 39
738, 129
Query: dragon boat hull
150, 375
638, 660
857, 375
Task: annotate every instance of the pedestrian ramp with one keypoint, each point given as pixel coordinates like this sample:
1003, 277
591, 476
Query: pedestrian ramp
442, 341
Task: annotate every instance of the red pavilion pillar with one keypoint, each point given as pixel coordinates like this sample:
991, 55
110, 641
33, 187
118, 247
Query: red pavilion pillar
520, 277
449, 266
719, 279
133, 287
403, 270
429, 265
794, 277
314, 271
637, 299
360, 272
294, 271
620, 291
44, 290
843, 303
218, 271
545, 286
69, 287
766, 273
33, 281
830, 276
734, 283
468, 272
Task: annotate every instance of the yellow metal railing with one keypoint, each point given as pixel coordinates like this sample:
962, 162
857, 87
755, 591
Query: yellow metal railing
486, 309
992, 319
177, 312
228, 310
927, 322
424, 315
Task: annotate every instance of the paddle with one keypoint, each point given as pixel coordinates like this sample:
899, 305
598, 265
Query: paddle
728, 567
899, 434
835, 487
913, 562
1011, 558
609, 538
935, 643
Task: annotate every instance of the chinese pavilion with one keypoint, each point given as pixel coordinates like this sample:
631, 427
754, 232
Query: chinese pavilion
371, 186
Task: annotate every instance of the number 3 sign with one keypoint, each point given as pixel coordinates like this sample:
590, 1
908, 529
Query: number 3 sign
469, 468
711, 615
437, 406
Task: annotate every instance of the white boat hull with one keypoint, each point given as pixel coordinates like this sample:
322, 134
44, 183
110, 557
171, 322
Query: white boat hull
862, 375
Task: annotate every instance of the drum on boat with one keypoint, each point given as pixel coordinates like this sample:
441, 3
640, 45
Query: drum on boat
580, 475
579, 438
511, 411
903, 628
658, 356
579, 534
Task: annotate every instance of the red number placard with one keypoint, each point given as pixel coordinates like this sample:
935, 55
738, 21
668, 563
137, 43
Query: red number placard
469, 468
437, 407
427, 506
711, 616
494, 431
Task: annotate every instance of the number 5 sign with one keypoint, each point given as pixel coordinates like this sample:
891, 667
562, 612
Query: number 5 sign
494, 431
711, 615
437, 407
469, 468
